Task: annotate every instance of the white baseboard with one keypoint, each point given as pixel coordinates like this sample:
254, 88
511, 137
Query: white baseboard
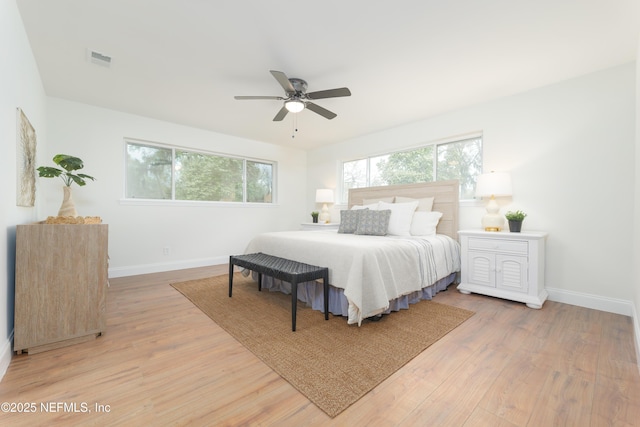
5, 355
636, 329
596, 302
166, 266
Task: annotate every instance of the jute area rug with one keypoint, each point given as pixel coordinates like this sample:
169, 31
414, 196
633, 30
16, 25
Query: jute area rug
332, 363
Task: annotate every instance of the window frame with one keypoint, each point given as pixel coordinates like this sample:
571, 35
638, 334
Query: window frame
434, 144
176, 202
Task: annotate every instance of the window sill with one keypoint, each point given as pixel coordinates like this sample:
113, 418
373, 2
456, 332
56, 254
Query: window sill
193, 203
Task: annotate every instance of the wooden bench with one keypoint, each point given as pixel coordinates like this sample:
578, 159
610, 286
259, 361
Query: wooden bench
284, 269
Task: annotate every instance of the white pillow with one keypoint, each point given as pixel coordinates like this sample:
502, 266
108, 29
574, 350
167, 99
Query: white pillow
425, 223
401, 215
379, 199
372, 206
424, 204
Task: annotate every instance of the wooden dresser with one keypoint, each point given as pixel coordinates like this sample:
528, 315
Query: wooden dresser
61, 285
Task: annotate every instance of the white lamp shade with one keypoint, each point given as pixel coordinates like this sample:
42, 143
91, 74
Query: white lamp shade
324, 195
294, 105
493, 184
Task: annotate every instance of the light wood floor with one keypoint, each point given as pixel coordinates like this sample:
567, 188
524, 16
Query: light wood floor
163, 362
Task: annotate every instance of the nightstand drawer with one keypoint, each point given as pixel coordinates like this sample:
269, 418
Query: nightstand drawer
510, 246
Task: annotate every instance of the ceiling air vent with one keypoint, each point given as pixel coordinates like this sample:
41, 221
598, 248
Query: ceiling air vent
99, 58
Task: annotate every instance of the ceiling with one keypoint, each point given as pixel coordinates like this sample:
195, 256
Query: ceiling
184, 60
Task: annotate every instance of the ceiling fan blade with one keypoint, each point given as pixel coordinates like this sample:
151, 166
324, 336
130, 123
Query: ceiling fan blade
331, 93
322, 111
278, 98
281, 114
283, 80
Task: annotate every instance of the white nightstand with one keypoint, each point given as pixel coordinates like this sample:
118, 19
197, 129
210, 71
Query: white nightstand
504, 265
313, 226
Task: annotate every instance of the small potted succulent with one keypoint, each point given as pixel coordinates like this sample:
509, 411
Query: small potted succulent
314, 216
515, 219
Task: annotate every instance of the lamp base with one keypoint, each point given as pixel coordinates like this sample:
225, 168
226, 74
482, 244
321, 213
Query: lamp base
325, 215
492, 220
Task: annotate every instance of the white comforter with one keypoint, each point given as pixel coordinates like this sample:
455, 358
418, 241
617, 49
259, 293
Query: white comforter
372, 270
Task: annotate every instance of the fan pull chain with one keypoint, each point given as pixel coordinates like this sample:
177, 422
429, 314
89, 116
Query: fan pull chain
294, 126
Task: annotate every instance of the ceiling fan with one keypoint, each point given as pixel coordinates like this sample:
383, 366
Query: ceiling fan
297, 99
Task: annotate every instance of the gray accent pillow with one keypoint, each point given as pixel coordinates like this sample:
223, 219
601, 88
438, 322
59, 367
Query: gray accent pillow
349, 220
373, 223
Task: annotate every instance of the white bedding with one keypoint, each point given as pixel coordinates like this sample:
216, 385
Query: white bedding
372, 270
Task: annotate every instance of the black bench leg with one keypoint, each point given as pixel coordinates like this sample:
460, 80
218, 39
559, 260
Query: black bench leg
325, 282
294, 304
259, 282
230, 277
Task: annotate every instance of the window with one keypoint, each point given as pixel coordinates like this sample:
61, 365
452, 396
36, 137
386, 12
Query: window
170, 173
460, 159
205, 177
148, 172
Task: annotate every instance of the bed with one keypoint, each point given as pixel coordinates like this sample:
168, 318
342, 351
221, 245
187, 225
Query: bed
376, 274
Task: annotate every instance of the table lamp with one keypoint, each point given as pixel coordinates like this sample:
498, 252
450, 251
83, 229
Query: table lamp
493, 184
324, 196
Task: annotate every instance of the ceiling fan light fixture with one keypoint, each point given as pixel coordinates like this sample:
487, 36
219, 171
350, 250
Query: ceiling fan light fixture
297, 99
294, 105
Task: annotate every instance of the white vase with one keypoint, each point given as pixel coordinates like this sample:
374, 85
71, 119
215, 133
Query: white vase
68, 207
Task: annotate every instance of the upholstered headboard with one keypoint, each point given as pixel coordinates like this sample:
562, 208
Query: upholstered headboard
445, 194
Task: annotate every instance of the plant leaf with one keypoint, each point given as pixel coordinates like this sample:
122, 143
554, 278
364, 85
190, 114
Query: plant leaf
69, 163
77, 179
48, 172
81, 175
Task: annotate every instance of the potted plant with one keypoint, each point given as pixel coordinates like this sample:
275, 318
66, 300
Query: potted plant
515, 219
69, 164
314, 216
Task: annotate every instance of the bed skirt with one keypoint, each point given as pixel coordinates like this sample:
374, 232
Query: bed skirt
311, 293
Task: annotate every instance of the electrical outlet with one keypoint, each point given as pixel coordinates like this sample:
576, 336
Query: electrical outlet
166, 250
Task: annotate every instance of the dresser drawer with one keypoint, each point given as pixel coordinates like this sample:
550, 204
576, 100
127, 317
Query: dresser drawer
511, 246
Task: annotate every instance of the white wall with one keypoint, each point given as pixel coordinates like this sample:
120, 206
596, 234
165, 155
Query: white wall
20, 87
196, 235
569, 148
636, 216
